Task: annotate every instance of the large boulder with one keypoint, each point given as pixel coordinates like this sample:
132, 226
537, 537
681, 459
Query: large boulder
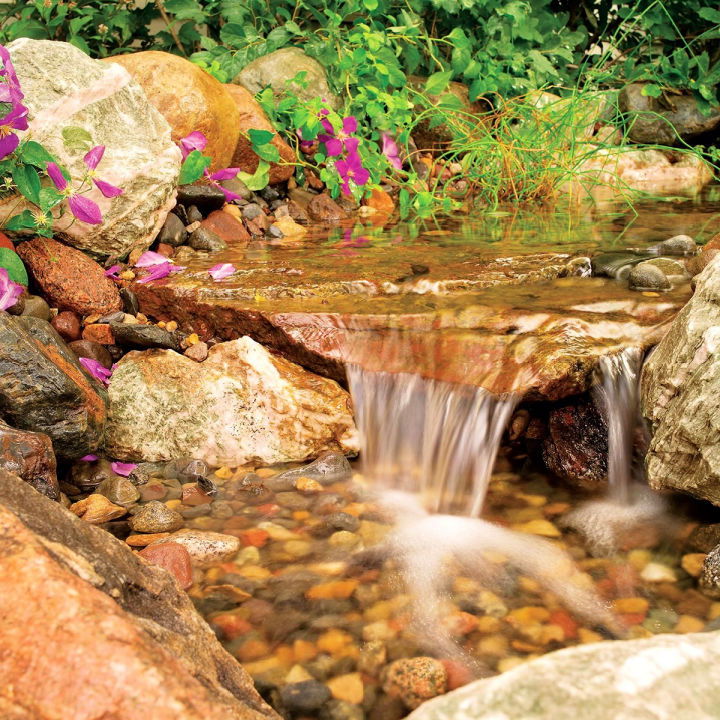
90, 630
680, 387
68, 278
664, 678
75, 103
278, 69
252, 117
44, 389
189, 99
671, 119
240, 405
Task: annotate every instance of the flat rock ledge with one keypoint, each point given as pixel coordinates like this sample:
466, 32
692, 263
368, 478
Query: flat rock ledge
90, 630
666, 677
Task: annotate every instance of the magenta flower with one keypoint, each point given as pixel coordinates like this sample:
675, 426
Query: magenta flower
391, 151
89, 458
121, 468
81, 207
96, 369
351, 169
160, 271
305, 145
337, 141
16, 119
221, 270
112, 272
226, 174
194, 141
91, 160
150, 258
9, 291
10, 92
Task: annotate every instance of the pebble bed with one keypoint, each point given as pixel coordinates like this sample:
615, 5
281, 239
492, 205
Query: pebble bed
283, 572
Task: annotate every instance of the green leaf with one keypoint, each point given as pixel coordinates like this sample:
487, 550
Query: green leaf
22, 221
651, 90
267, 152
10, 260
76, 139
709, 14
260, 137
437, 82
49, 198
185, 10
33, 153
193, 167
259, 179
27, 180
233, 35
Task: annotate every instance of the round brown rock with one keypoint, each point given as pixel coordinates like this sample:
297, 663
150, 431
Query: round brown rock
415, 680
156, 517
92, 350
68, 278
189, 99
252, 117
67, 325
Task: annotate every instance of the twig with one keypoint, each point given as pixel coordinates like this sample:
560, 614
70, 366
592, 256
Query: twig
166, 18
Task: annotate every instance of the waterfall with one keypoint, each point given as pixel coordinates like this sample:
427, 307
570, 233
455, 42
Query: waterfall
617, 394
429, 437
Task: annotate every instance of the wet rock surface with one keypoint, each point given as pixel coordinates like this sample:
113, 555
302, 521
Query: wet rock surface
680, 381
30, 456
44, 389
117, 613
240, 404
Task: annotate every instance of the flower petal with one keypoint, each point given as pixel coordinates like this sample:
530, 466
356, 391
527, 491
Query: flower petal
194, 141
361, 176
351, 144
85, 209
96, 369
221, 270
226, 174
157, 272
121, 468
108, 190
350, 124
230, 196
112, 271
94, 156
8, 144
333, 147
55, 173
89, 458
150, 258
9, 291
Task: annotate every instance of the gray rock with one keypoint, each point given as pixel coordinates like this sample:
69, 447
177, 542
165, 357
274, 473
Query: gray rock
667, 120
204, 239
156, 517
668, 266
119, 490
680, 387
130, 301
615, 265
251, 211
173, 231
648, 277
329, 468
144, 336
341, 710
710, 577
102, 105
305, 696
205, 197
677, 245
279, 68
667, 677
35, 306
44, 389
238, 187
206, 548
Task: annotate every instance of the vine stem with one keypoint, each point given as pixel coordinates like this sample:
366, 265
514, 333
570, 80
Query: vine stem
166, 18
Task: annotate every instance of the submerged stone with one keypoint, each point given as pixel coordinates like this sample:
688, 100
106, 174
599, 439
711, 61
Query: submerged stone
648, 277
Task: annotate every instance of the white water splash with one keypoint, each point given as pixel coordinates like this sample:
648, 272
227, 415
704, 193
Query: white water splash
430, 437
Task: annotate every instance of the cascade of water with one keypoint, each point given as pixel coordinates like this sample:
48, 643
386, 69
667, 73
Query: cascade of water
617, 393
429, 437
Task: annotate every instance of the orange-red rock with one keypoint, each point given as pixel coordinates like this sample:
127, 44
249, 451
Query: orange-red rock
381, 201
322, 208
6, 242
30, 456
174, 558
189, 99
252, 117
67, 325
69, 279
100, 333
225, 226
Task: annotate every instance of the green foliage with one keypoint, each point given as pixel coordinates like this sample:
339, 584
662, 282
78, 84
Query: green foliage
193, 167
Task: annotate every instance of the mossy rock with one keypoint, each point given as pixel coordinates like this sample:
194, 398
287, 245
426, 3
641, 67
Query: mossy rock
14, 265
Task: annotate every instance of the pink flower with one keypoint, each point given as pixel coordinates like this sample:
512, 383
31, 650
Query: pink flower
121, 468
220, 271
96, 369
160, 270
337, 141
81, 207
9, 291
112, 272
194, 141
226, 174
89, 458
391, 151
351, 168
150, 258
91, 160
